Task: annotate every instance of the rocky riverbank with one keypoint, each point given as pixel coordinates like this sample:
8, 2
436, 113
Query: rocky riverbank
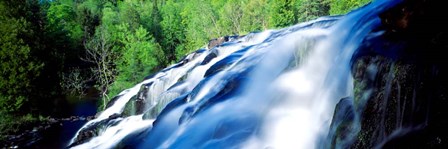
34, 136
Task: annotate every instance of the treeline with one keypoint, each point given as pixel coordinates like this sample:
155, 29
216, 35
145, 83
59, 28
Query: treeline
54, 48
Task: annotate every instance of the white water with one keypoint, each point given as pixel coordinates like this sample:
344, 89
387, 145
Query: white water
161, 82
298, 75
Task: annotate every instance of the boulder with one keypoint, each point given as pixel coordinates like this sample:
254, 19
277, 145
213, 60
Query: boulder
218, 41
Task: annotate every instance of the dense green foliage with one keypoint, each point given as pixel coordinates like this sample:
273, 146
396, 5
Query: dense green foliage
53, 48
338, 7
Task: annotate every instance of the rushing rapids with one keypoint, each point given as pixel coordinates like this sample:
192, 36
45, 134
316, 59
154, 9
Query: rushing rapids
276, 88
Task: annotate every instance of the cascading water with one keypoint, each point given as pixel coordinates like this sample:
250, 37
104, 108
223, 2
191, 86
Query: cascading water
277, 88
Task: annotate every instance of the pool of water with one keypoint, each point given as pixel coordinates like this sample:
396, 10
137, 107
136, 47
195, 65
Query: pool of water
59, 135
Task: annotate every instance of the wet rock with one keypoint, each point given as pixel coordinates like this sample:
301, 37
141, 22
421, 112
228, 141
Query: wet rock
218, 41
28, 138
407, 106
139, 104
89, 132
214, 42
75, 119
114, 116
90, 118
210, 56
227, 61
143, 92
52, 120
83, 136
341, 128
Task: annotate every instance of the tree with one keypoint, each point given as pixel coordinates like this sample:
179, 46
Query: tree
18, 67
88, 15
100, 53
30, 57
201, 24
128, 13
73, 82
230, 16
338, 7
138, 59
311, 9
139, 55
156, 18
172, 29
61, 15
255, 16
282, 13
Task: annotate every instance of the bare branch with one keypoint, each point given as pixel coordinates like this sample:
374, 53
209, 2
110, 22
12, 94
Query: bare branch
99, 52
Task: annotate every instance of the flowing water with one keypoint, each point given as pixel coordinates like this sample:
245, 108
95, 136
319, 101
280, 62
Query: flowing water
276, 88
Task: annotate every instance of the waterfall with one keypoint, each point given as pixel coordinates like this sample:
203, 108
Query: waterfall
276, 88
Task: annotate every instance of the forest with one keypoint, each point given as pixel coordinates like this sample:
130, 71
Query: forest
56, 51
